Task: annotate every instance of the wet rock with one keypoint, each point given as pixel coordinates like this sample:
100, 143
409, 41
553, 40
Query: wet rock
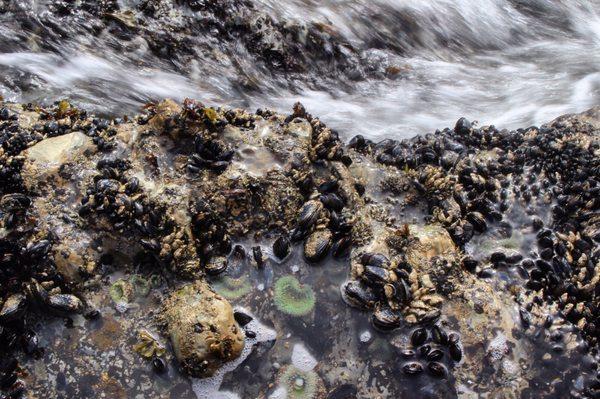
47, 157
202, 329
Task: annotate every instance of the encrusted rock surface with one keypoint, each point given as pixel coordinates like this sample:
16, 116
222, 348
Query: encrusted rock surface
202, 329
491, 235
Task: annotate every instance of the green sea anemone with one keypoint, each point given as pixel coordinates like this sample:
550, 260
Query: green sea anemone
141, 286
121, 291
232, 288
300, 384
293, 298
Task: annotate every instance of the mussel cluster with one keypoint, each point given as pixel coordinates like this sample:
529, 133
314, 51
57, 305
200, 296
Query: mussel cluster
382, 286
323, 226
212, 237
527, 171
209, 154
432, 350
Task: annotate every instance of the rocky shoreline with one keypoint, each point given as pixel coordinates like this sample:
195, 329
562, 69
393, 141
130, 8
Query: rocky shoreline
471, 252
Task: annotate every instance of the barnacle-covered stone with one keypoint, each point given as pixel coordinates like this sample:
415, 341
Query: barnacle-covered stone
202, 329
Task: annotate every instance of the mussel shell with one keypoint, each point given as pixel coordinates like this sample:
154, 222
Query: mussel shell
377, 276
159, 365
412, 368
30, 342
358, 295
399, 291
419, 336
332, 201
38, 249
242, 318
374, 259
281, 247
437, 369
341, 247
13, 308
435, 354
216, 265
65, 303
385, 319
439, 335
463, 126
455, 351
329, 186
108, 185
317, 245
309, 214
258, 256
478, 221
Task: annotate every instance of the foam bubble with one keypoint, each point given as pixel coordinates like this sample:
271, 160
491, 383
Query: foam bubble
208, 388
302, 359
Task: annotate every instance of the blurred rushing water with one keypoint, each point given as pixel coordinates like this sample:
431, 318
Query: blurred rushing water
512, 63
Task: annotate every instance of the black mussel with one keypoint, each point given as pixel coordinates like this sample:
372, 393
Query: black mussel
159, 365
546, 253
374, 259
439, 335
358, 142
317, 245
514, 258
298, 234
525, 318
108, 185
469, 263
455, 351
463, 126
360, 189
65, 303
151, 245
358, 295
258, 255
424, 350
497, 257
435, 354
537, 223
8, 379
545, 242
407, 353
341, 247
332, 201
412, 368
386, 319
329, 186
30, 342
219, 166
216, 265
242, 318
453, 337
281, 247
437, 369
309, 214
38, 249
478, 221
13, 308
377, 276
418, 337
398, 291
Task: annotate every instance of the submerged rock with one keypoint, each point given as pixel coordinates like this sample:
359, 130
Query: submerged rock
202, 329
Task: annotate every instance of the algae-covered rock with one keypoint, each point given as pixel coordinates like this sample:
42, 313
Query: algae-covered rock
202, 329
